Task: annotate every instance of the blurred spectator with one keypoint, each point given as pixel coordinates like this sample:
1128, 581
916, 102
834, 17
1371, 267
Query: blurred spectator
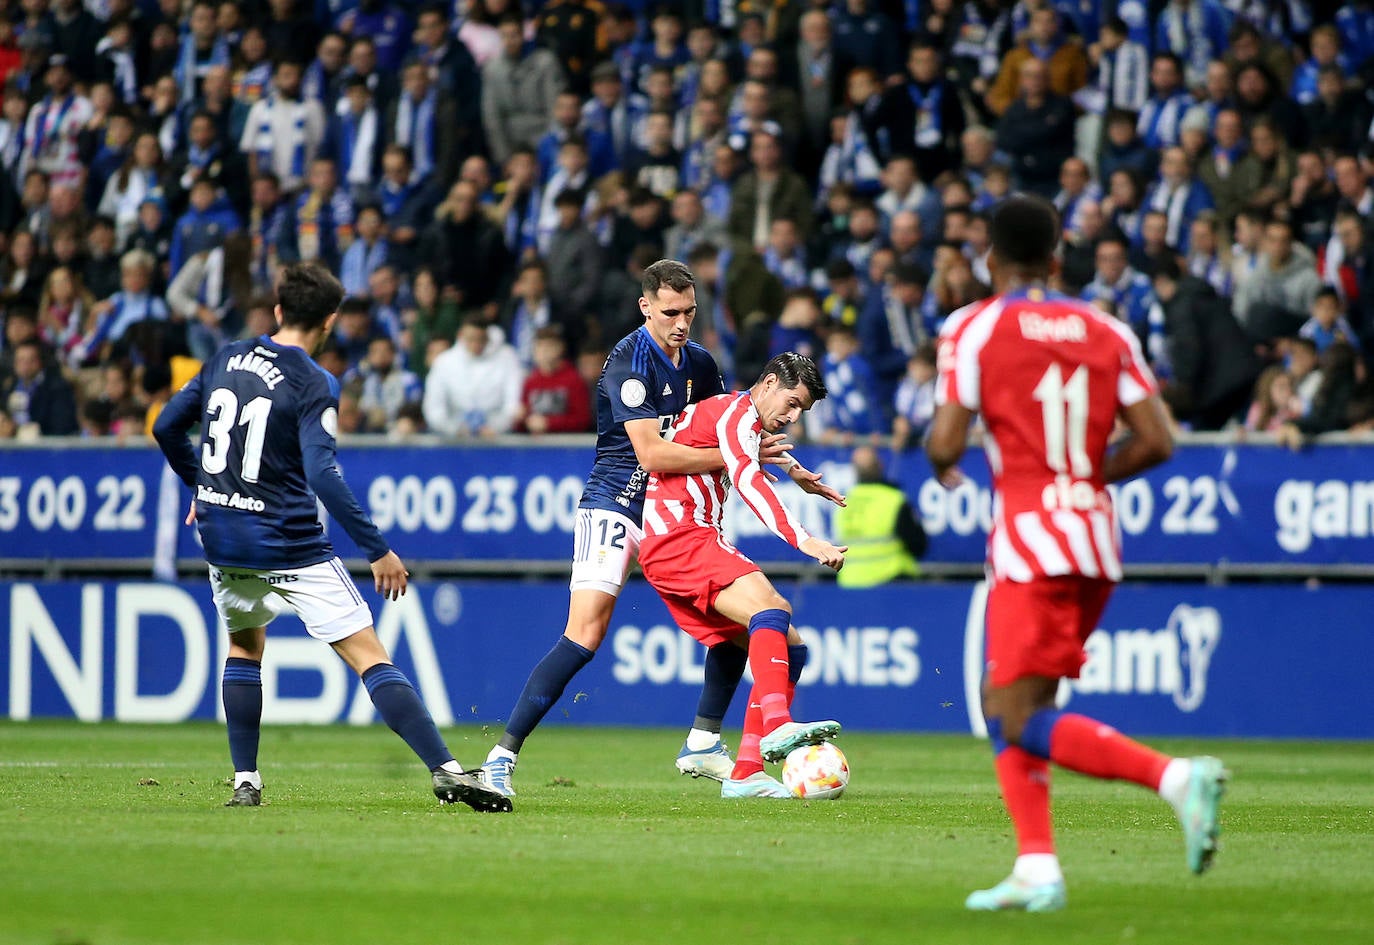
284, 133
1263, 176
207, 155
529, 311
354, 137
63, 311
1313, 198
269, 223
610, 112
1275, 403
366, 253
1197, 32
1336, 117
321, 75
657, 166
1259, 96
54, 126
1212, 362
1179, 196
566, 119
866, 35
814, 68
767, 191
1273, 299
354, 332
33, 394
915, 401
573, 265
132, 304
879, 525
575, 30
1208, 258
387, 388
1330, 403
386, 293
797, 327
216, 99
893, 325
209, 219
554, 398
201, 47
572, 176
1327, 325
691, 227
784, 256
142, 175
386, 23
1123, 149
645, 223
1162, 117
1044, 40
1036, 130
854, 407
519, 88
432, 318
211, 293
922, 116
22, 272
473, 389
1125, 290
465, 251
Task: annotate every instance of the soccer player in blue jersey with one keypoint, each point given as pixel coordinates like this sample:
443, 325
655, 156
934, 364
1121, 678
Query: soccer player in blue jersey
650, 376
268, 416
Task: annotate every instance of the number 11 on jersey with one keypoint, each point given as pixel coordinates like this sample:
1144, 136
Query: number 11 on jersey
1064, 406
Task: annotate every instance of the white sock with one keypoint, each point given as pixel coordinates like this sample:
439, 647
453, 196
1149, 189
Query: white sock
499, 752
1173, 787
1037, 869
452, 767
252, 777
698, 739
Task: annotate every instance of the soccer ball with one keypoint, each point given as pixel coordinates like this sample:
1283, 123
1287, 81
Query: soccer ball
816, 772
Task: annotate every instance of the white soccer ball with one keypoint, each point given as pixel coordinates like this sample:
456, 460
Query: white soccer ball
816, 772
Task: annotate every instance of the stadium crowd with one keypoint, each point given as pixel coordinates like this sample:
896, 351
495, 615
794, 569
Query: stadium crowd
489, 178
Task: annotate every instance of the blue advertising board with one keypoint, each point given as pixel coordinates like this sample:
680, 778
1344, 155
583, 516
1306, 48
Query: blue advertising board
1169, 659
1237, 505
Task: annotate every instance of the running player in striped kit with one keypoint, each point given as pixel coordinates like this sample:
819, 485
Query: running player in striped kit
717, 594
1051, 376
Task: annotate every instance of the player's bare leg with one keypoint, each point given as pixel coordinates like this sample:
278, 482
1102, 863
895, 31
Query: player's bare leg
241, 692
769, 730
1027, 732
400, 706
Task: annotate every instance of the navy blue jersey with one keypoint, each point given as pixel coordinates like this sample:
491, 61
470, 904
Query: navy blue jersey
268, 416
637, 383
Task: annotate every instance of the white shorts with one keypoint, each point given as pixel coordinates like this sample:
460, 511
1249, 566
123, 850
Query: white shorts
322, 595
605, 544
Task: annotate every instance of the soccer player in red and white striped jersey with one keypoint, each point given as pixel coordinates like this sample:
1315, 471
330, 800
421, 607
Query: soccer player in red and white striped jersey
717, 594
1051, 376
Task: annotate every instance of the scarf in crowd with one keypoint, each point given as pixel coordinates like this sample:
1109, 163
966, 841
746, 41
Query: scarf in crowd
13, 137
1123, 77
360, 261
907, 329
1210, 270
1159, 121
315, 84
211, 292
791, 272
1173, 203
48, 127
415, 128
312, 224
394, 196
524, 325
263, 141
253, 84
522, 223
188, 63
928, 132
266, 229
358, 146
125, 72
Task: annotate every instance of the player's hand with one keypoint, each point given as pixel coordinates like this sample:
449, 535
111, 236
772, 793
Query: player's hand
811, 482
191, 513
389, 576
832, 556
951, 478
775, 450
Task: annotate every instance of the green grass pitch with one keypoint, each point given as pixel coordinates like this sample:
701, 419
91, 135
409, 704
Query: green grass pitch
609, 845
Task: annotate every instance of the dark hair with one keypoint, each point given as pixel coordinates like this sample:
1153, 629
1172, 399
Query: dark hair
1025, 231
703, 252
308, 295
156, 376
794, 370
911, 273
353, 305
1117, 25
1167, 267
666, 272
1327, 292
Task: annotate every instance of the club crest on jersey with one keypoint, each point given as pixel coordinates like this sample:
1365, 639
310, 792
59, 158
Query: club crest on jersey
632, 392
689, 390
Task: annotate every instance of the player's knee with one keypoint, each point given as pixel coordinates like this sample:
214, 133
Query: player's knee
1014, 723
586, 633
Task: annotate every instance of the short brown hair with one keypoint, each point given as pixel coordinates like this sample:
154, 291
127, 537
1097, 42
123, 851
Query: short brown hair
666, 272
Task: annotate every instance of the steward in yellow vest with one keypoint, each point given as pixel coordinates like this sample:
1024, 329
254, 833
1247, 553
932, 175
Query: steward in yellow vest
877, 523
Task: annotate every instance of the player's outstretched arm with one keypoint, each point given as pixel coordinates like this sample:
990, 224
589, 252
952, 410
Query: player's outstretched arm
947, 441
810, 482
390, 576
171, 429
658, 455
832, 556
1149, 443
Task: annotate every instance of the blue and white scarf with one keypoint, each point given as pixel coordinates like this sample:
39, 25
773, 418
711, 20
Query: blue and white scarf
928, 126
791, 271
48, 124
263, 142
360, 261
190, 67
358, 146
125, 72
415, 129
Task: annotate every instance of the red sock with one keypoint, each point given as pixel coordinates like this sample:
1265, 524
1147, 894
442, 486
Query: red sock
1089, 747
768, 663
748, 760
1025, 781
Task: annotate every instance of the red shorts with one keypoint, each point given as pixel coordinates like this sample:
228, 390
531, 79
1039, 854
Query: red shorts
688, 567
1038, 628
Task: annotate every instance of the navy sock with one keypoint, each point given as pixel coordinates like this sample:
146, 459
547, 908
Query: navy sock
796, 661
242, 694
545, 687
724, 668
401, 708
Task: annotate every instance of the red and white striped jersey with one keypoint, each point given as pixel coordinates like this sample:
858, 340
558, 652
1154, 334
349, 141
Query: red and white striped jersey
1049, 374
697, 500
